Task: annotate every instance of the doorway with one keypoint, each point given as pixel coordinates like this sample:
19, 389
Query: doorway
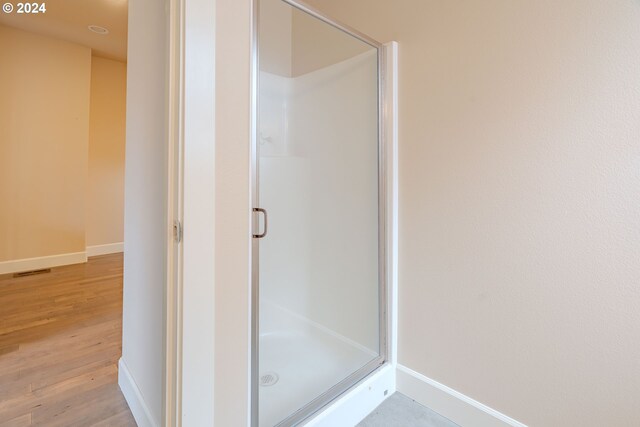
62, 152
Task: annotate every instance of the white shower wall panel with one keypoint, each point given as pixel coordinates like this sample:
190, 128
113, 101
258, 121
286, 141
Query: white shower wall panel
318, 160
283, 192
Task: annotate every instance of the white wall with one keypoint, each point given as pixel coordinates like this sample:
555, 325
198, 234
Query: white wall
284, 187
232, 208
334, 119
519, 183
318, 181
145, 230
199, 217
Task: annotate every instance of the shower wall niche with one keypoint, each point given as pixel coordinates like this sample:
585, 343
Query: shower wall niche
318, 272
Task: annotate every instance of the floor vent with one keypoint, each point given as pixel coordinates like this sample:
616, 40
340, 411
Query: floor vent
32, 272
269, 379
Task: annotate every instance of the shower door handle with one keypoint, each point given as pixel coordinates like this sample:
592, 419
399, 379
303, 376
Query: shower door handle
264, 233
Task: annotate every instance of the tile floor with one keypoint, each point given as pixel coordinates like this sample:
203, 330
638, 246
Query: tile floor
400, 411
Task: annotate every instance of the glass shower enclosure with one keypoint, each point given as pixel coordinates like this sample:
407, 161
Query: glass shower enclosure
318, 195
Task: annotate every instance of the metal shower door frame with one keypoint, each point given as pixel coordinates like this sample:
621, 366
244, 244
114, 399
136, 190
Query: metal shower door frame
361, 374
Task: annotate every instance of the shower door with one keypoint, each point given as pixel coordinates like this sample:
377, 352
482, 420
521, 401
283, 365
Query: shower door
318, 244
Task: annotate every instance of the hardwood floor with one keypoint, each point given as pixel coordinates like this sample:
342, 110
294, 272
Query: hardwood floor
60, 341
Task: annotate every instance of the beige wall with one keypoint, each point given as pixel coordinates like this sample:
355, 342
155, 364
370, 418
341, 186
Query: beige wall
105, 197
316, 45
44, 126
275, 50
297, 43
519, 184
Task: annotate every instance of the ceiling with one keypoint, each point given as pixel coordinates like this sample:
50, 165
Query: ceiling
68, 20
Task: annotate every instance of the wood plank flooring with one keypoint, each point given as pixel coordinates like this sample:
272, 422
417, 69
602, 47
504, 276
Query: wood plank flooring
60, 341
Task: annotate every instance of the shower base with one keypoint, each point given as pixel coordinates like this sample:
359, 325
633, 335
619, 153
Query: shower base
299, 361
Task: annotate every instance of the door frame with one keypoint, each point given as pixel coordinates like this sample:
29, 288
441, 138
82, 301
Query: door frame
175, 150
190, 291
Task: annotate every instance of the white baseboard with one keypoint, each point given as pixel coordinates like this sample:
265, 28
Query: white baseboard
28, 264
109, 248
450, 403
134, 398
351, 408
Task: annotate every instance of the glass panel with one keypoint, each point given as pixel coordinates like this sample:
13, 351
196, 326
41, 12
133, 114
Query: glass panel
318, 180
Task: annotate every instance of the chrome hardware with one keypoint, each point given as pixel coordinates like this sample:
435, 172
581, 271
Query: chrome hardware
264, 233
